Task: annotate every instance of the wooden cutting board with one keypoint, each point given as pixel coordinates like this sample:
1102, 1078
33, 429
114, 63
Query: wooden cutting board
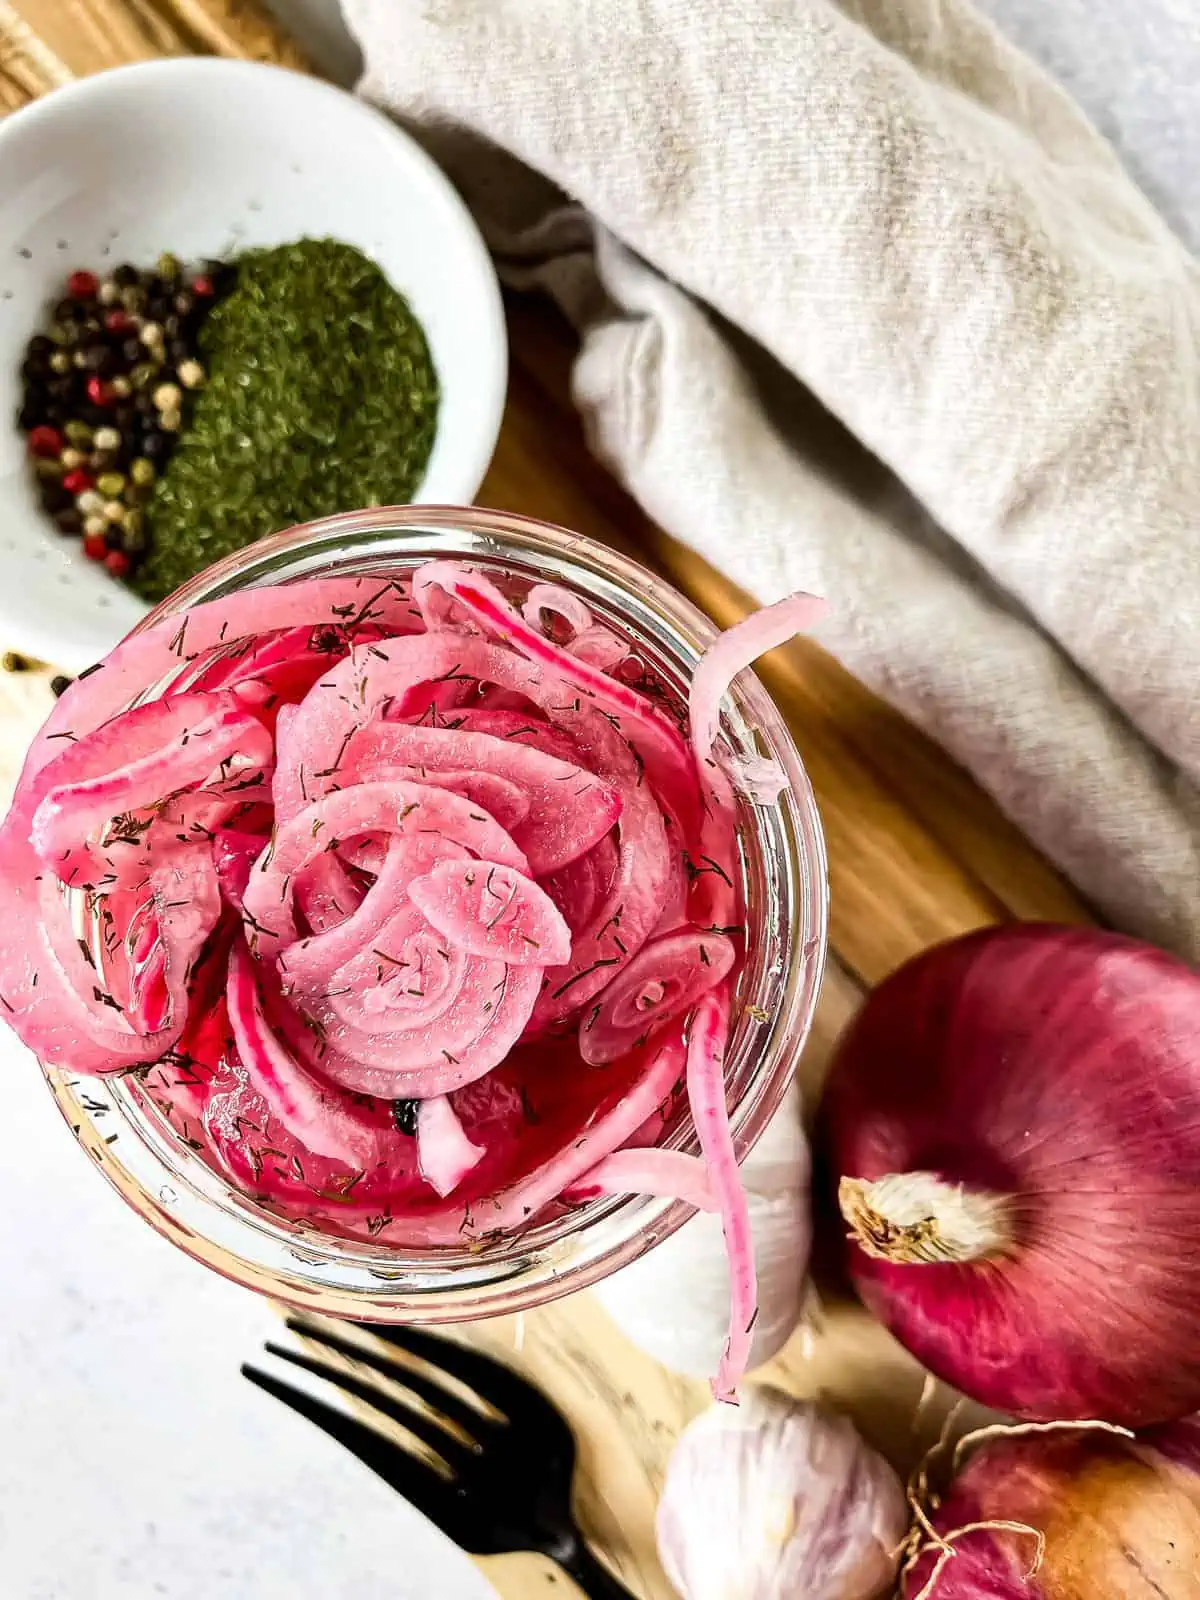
916, 852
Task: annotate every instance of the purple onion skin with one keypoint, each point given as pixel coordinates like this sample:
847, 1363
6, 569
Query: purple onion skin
1121, 1519
1059, 1067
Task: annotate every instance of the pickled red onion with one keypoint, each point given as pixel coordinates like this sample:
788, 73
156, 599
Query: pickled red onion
444, 1153
369, 843
706, 1095
736, 648
635, 1170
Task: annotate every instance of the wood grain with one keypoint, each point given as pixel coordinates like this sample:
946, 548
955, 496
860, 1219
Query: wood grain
916, 852
78, 37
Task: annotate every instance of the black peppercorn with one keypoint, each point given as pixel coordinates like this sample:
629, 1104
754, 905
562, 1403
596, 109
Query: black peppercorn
55, 498
156, 446
222, 275
100, 358
59, 684
125, 276
69, 522
35, 368
39, 345
30, 415
404, 1115
68, 311
131, 350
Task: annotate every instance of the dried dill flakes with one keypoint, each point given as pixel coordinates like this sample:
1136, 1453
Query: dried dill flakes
321, 397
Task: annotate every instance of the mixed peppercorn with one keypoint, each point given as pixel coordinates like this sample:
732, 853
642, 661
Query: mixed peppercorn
174, 417
107, 387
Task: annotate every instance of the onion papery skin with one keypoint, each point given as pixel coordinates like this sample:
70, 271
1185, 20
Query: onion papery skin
1120, 1519
1048, 1079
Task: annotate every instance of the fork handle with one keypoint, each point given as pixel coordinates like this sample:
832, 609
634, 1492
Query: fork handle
596, 1581
523, 1573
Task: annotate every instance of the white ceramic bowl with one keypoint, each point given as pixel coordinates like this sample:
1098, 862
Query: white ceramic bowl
205, 158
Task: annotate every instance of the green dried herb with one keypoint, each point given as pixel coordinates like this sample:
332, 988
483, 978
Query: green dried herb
321, 397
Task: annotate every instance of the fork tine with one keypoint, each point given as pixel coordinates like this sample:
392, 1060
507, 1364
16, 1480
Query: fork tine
499, 1385
467, 1417
453, 1451
418, 1483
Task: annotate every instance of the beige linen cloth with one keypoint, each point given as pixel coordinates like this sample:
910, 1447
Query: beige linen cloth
765, 215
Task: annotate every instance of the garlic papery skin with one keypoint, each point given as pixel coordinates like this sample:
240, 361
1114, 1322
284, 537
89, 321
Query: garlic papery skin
778, 1499
673, 1302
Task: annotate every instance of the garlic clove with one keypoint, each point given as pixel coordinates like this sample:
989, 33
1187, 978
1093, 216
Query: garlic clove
778, 1498
673, 1302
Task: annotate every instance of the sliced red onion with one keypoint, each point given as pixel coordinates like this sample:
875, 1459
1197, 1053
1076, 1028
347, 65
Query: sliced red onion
490, 910
566, 810
664, 979
735, 650
290, 1094
600, 647
652, 734
133, 763
405, 809
324, 892
578, 889
444, 1152
153, 654
512, 1205
669, 1174
234, 854
551, 598
59, 992
408, 1011
706, 1094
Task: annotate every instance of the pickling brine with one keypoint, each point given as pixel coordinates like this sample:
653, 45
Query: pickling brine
413, 903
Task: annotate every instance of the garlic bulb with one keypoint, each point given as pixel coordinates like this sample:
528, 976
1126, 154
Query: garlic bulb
674, 1301
777, 1499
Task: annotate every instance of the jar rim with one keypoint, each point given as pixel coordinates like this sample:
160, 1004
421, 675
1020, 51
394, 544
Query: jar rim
185, 1199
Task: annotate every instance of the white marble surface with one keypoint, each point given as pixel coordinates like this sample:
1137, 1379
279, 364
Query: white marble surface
134, 1460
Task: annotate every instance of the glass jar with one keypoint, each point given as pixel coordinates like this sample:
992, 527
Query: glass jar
784, 869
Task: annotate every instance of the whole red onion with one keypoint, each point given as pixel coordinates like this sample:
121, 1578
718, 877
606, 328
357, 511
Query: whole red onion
1120, 1520
1015, 1121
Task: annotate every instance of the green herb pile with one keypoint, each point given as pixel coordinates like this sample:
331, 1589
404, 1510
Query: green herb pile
321, 397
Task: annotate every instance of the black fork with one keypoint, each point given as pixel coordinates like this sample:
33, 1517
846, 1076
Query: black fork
495, 1473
